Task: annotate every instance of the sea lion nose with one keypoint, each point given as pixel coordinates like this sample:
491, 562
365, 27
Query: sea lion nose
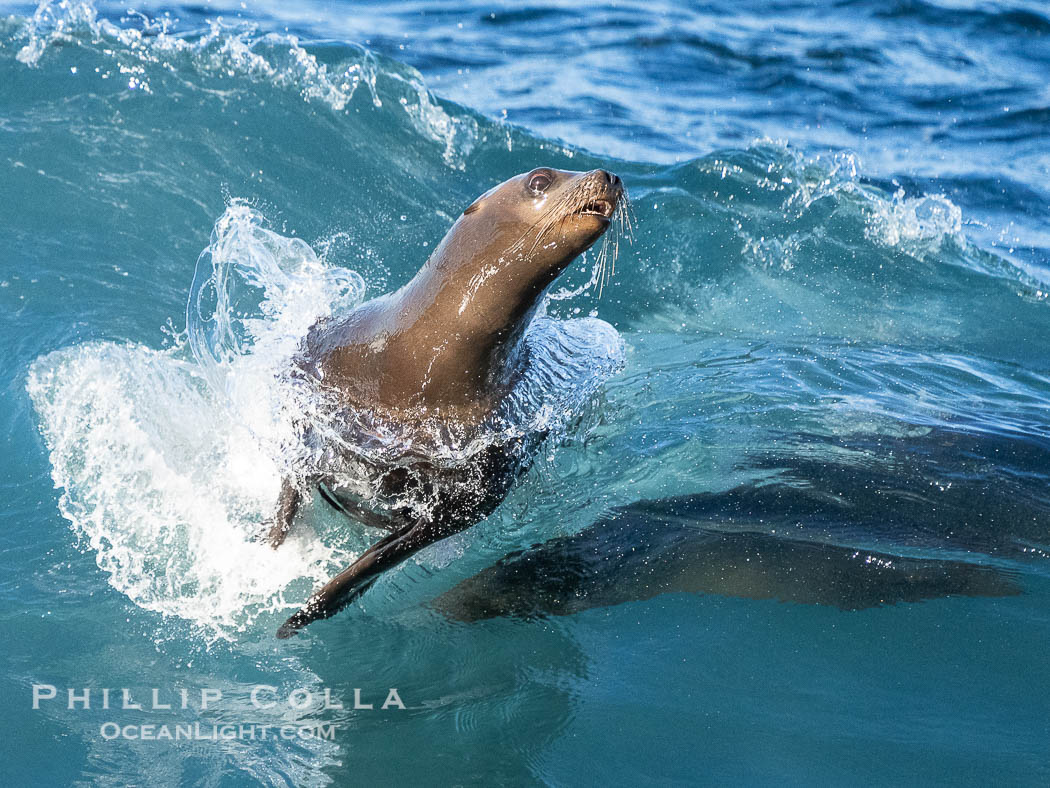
611, 179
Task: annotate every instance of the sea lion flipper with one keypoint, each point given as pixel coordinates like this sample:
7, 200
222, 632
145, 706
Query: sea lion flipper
353, 581
355, 511
287, 506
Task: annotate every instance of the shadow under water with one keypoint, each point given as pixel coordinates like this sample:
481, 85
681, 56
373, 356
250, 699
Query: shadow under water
851, 523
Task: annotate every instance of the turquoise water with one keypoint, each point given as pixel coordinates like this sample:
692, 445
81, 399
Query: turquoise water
832, 333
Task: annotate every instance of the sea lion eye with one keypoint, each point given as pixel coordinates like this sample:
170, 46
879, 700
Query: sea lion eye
539, 181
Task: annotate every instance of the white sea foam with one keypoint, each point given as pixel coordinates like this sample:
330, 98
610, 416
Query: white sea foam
917, 225
168, 464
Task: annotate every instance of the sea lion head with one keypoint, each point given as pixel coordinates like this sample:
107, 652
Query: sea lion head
449, 333
514, 240
549, 217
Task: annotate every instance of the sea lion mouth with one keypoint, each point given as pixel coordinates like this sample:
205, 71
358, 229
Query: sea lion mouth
601, 208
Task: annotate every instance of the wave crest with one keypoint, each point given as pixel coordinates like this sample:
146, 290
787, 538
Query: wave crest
227, 49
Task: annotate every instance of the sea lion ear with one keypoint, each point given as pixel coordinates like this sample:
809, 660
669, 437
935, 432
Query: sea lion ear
477, 203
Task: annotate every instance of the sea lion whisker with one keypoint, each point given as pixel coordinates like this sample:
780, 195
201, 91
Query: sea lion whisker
547, 220
564, 205
625, 215
603, 259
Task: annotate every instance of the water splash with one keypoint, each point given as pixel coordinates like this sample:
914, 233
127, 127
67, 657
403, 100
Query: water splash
170, 460
917, 225
253, 286
163, 486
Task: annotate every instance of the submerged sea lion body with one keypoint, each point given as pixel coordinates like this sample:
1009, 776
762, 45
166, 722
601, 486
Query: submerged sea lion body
434, 361
695, 545
849, 521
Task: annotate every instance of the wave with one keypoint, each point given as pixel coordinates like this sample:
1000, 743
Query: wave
170, 460
239, 50
767, 242
388, 119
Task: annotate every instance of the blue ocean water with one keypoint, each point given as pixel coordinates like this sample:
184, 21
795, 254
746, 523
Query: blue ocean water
834, 319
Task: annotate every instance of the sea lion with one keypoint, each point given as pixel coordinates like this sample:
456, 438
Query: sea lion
848, 521
695, 544
434, 360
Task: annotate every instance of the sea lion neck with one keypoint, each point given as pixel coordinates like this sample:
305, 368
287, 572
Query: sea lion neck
469, 306
445, 342
478, 286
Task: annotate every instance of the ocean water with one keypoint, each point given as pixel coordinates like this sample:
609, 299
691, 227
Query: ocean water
827, 342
